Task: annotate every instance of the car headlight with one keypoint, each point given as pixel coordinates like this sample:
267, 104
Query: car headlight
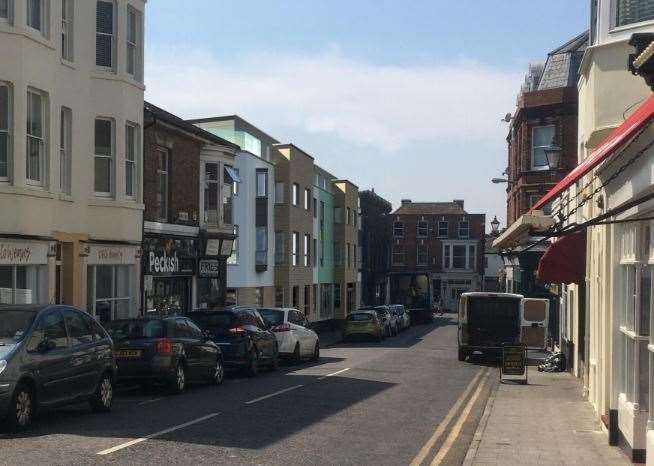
3, 365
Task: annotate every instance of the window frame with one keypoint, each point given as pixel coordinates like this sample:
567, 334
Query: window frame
295, 195
8, 131
619, 27
397, 228
137, 73
112, 35
10, 13
111, 157
467, 229
295, 246
264, 172
533, 147
424, 225
307, 250
307, 199
67, 30
398, 251
424, 253
447, 229
134, 161
65, 150
44, 17
162, 198
43, 139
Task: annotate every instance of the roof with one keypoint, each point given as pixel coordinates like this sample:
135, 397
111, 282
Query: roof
629, 129
231, 118
430, 208
562, 66
161, 114
481, 294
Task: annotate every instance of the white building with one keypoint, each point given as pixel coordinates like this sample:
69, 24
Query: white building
71, 111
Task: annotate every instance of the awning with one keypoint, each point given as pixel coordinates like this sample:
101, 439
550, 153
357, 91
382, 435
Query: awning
616, 139
564, 261
232, 174
520, 231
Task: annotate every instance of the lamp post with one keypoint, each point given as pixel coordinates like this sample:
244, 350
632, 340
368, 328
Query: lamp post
553, 155
502, 180
495, 225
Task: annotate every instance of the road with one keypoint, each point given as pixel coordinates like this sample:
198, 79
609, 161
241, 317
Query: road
407, 400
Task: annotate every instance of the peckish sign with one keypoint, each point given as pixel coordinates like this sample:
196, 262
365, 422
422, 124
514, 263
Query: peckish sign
163, 263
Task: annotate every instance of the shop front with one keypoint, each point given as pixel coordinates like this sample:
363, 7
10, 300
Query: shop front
24, 271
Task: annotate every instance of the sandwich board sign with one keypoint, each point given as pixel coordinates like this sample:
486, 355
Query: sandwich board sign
514, 363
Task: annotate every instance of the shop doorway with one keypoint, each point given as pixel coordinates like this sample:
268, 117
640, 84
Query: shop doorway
169, 295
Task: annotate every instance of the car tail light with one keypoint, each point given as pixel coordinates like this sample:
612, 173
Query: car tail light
281, 328
164, 346
237, 331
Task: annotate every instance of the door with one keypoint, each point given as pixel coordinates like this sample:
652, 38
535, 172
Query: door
184, 334
50, 357
84, 363
534, 315
207, 350
267, 338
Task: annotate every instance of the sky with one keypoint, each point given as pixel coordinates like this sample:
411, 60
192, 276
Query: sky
405, 97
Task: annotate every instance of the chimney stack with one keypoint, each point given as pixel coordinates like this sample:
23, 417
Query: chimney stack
406, 201
459, 202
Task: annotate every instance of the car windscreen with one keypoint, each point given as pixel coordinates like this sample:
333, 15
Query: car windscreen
15, 323
359, 317
136, 329
213, 320
272, 316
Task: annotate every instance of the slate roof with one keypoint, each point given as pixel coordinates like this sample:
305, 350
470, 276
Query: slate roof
430, 208
562, 66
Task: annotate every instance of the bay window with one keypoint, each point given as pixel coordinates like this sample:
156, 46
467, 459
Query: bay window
633, 11
131, 151
541, 138
104, 156
5, 131
36, 137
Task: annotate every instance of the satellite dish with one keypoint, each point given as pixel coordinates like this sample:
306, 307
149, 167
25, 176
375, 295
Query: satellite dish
507, 118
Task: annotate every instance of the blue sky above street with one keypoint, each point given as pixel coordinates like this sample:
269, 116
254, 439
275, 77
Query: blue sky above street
405, 97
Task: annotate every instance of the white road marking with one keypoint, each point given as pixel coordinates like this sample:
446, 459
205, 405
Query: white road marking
156, 434
273, 394
334, 373
424, 451
147, 402
456, 430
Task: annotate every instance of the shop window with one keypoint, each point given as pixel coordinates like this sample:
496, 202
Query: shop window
210, 293
231, 297
110, 291
23, 284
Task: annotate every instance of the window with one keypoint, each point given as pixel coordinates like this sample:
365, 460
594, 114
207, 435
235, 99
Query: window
472, 257
315, 252
307, 199
398, 229
5, 13
541, 138
398, 254
296, 194
348, 256
447, 256
422, 254
338, 253
261, 255
233, 258
464, 229
307, 300
633, 11
423, 229
443, 229
458, 257
235, 183
211, 193
354, 253
23, 284
279, 296
65, 153
103, 159
5, 131
110, 291
262, 182
162, 184
104, 34
296, 297
67, 29
228, 198
315, 208
131, 149
133, 37
37, 15
52, 328
296, 247
348, 217
279, 248
307, 250
279, 193
36, 139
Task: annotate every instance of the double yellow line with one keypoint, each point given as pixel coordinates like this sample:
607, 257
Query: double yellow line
456, 429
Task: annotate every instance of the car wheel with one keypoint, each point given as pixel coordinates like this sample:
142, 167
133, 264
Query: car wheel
218, 372
22, 408
274, 364
297, 359
103, 397
316, 352
462, 355
253, 364
178, 383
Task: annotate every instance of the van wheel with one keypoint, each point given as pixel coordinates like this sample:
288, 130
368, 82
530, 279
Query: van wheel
462, 355
22, 408
103, 397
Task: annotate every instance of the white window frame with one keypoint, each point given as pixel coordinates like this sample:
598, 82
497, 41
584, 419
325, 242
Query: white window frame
111, 157
9, 19
65, 150
422, 224
112, 35
44, 6
134, 44
133, 163
115, 299
307, 199
8, 130
67, 30
425, 246
447, 227
41, 140
467, 229
534, 147
614, 20
295, 240
258, 186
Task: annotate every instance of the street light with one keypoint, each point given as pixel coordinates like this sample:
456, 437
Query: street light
553, 155
501, 180
495, 225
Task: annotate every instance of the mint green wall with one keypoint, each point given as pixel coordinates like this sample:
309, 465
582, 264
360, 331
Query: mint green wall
326, 272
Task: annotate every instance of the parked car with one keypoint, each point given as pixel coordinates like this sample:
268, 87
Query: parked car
402, 316
51, 356
295, 339
165, 350
387, 318
243, 336
363, 324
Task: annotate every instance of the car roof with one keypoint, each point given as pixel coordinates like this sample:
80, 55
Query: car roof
363, 311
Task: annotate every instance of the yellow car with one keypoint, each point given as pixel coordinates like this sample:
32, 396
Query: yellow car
363, 324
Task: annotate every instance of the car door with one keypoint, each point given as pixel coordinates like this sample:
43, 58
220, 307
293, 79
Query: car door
50, 356
192, 349
267, 338
207, 350
84, 364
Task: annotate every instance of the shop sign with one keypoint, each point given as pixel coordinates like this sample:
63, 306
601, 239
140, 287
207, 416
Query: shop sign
168, 256
213, 247
17, 253
514, 363
209, 268
163, 263
111, 255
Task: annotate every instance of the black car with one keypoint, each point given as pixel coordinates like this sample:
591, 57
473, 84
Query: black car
165, 350
50, 356
243, 336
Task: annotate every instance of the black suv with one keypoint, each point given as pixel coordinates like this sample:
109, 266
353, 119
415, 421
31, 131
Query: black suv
243, 336
50, 356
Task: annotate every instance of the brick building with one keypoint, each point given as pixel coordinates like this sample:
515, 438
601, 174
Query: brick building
188, 183
437, 253
376, 238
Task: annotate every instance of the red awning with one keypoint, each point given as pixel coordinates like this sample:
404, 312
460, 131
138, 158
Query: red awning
564, 261
608, 147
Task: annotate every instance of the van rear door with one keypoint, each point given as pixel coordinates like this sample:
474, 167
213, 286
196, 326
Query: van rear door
534, 314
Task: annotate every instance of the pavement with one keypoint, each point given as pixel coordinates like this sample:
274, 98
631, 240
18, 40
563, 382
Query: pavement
401, 401
546, 422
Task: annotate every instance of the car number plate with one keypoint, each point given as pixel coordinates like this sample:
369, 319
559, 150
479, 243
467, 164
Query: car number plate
128, 354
